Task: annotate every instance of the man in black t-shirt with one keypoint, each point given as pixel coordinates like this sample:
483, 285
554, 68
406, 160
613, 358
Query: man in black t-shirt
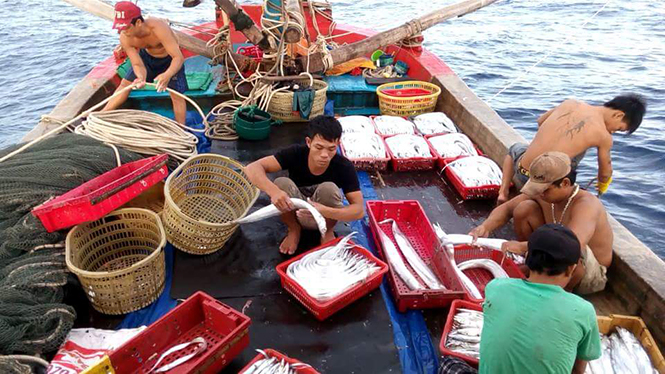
316, 174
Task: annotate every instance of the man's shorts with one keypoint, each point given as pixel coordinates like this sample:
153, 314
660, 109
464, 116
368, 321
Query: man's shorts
595, 274
517, 150
155, 66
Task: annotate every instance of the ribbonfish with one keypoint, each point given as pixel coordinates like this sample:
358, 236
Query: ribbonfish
356, 124
453, 145
485, 242
397, 262
413, 258
465, 335
361, 145
484, 263
408, 146
434, 123
476, 171
448, 245
272, 365
622, 359
271, 211
635, 347
392, 125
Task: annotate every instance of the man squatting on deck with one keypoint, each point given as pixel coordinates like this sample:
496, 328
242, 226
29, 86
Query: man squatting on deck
572, 128
316, 173
155, 56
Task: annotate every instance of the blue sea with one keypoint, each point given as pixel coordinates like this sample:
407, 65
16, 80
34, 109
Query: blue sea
48, 46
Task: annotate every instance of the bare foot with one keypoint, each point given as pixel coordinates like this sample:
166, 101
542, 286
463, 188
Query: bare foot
330, 235
290, 243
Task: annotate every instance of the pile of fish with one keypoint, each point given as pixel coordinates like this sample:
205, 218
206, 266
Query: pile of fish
464, 338
329, 272
622, 354
476, 171
363, 145
424, 278
408, 146
434, 123
359, 124
273, 365
392, 125
453, 145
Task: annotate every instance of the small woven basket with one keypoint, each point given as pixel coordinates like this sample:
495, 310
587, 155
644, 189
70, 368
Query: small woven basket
203, 197
408, 105
281, 104
119, 259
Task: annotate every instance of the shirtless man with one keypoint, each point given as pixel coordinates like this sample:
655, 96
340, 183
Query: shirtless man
154, 53
551, 196
572, 128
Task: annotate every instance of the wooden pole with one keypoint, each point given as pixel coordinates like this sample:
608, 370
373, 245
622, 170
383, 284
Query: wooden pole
191, 43
247, 26
293, 34
392, 36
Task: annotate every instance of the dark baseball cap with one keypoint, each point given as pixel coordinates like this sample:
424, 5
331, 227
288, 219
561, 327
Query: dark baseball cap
558, 242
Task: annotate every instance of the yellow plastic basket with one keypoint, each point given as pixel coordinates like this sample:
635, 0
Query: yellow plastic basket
407, 106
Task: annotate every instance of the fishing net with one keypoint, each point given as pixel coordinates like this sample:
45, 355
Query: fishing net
33, 319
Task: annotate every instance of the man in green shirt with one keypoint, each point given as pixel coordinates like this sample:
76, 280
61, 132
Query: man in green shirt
534, 325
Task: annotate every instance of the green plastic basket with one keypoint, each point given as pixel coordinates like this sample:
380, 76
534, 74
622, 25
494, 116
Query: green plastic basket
252, 123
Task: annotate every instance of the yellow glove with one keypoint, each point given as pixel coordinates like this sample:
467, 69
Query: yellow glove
603, 187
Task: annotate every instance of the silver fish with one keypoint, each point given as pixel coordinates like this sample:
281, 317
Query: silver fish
356, 124
271, 211
392, 125
408, 146
453, 145
465, 335
397, 264
363, 145
622, 360
434, 123
413, 258
448, 245
475, 171
271, 365
635, 347
485, 263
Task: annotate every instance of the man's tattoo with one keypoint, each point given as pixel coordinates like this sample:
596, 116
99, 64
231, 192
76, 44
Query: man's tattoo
576, 129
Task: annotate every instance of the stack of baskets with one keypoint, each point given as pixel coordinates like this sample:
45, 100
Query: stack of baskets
281, 104
203, 198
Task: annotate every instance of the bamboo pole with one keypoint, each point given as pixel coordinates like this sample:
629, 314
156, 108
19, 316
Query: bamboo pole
252, 32
191, 43
392, 36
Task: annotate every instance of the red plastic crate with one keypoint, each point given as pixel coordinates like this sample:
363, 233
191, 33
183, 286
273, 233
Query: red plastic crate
280, 356
443, 161
412, 163
224, 329
490, 191
376, 129
480, 277
413, 222
98, 197
371, 164
457, 304
323, 310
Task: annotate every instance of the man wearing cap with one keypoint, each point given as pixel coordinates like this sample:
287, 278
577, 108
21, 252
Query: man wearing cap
551, 196
154, 54
533, 325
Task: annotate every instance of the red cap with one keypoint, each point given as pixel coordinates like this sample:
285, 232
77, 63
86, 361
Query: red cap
125, 12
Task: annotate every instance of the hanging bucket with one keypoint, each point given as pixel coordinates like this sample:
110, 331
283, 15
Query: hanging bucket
252, 123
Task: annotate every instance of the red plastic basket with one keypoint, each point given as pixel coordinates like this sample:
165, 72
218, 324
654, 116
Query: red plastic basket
457, 304
223, 328
413, 222
480, 277
323, 310
370, 164
412, 163
280, 356
376, 129
489, 191
98, 197
443, 161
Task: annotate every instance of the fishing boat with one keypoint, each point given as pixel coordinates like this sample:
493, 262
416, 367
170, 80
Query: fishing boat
370, 336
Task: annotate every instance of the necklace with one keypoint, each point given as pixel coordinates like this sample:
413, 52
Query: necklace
570, 199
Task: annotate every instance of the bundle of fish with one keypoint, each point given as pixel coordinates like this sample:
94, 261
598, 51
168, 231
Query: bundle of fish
464, 338
476, 171
434, 123
363, 145
408, 146
453, 145
424, 278
329, 272
622, 353
392, 125
273, 365
359, 124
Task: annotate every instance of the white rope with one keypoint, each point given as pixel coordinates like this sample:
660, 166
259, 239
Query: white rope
552, 50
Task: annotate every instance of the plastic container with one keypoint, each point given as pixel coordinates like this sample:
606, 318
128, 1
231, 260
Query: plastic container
443, 161
457, 304
413, 222
280, 356
252, 123
99, 196
224, 329
412, 163
479, 277
369, 164
490, 191
408, 106
323, 310
607, 325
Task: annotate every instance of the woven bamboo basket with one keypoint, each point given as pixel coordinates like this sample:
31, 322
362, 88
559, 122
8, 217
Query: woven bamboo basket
119, 259
408, 105
281, 104
203, 197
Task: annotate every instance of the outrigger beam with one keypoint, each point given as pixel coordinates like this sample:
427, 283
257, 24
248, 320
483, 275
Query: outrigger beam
243, 23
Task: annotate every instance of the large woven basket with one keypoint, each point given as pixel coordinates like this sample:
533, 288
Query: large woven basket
202, 198
407, 105
119, 259
281, 104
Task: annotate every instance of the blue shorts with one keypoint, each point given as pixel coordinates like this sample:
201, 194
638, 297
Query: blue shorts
155, 66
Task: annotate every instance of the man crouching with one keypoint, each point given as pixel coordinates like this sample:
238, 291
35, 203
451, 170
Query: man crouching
316, 173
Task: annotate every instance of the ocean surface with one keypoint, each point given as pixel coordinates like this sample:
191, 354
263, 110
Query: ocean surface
48, 46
